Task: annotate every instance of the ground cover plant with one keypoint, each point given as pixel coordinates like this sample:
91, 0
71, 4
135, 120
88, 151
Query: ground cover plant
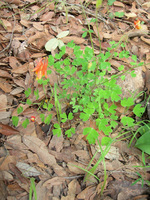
77, 127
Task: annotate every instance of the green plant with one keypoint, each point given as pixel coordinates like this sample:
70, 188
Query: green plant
143, 166
32, 189
93, 92
142, 142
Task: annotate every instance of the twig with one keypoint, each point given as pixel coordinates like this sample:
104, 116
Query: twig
11, 37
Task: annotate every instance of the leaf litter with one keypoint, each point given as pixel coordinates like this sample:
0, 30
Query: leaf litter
57, 163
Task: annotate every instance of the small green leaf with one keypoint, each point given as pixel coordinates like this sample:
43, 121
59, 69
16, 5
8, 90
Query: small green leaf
64, 117
70, 116
110, 2
127, 121
19, 110
42, 116
119, 14
25, 123
29, 102
69, 132
36, 93
121, 67
84, 34
123, 77
92, 134
84, 116
133, 74
48, 119
134, 57
105, 141
138, 110
127, 102
27, 92
15, 120
57, 130
98, 3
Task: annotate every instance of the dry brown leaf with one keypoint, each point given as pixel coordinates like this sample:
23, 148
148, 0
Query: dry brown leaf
53, 77
5, 116
42, 192
25, 23
38, 146
98, 32
5, 74
5, 86
7, 25
65, 155
15, 142
146, 40
87, 193
21, 70
38, 26
57, 143
3, 102
38, 35
7, 130
17, 91
53, 181
83, 155
38, 55
47, 16
73, 167
17, 2
130, 15
77, 40
6, 161
71, 190
13, 62
119, 4
146, 5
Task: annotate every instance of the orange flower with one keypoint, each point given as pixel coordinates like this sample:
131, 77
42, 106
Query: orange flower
137, 24
41, 68
32, 118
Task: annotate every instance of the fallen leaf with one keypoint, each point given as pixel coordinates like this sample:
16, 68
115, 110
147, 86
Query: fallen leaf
130, 15
71, 191
146, 40
27, 170
21, 70
3, 102
77, 40
38, 146
47, 16
17, 90
5, 74
53, 181
7, 130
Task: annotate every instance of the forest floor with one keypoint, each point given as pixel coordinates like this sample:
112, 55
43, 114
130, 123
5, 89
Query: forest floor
57, 163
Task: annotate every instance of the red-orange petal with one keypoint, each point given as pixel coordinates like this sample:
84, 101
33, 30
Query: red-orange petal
32, 118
